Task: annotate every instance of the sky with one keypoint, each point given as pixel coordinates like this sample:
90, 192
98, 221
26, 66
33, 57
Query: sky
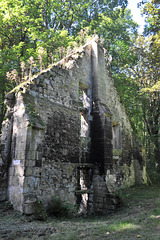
132, 4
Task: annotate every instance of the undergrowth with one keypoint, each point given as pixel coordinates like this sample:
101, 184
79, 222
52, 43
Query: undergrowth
58, 208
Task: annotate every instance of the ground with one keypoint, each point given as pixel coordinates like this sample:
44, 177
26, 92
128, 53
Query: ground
138, 217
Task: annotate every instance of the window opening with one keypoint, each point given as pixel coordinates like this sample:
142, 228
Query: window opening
116, 132
84, 106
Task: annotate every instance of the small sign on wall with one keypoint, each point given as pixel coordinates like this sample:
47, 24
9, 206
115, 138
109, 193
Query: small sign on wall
90, 118
16, 162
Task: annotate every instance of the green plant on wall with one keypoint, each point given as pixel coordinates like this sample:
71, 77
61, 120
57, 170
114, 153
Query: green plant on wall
34, 116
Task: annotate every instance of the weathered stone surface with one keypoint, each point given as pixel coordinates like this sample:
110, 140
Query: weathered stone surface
68, 135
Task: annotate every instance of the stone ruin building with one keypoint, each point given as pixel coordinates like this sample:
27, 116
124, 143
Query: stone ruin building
66, 134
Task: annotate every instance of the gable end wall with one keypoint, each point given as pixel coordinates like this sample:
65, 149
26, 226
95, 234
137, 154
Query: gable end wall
44, 150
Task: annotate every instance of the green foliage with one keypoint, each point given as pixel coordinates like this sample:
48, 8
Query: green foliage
156, 211
115, 28
58, 208
154, 176
151, 9
145, 77
34, 116
39, 211
127, 90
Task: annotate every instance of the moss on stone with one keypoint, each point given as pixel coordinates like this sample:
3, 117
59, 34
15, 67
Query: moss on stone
34, 117
117, 152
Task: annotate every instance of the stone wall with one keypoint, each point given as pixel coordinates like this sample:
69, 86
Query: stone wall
57, 139
127, 151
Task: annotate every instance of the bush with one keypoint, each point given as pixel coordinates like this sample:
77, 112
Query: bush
39, 211
58, 208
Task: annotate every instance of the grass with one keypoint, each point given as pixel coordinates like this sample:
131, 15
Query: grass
68, 236
122, 226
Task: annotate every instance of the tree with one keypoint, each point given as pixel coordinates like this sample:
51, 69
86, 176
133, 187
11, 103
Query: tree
25, 27
152, 11
138, 82
145, 74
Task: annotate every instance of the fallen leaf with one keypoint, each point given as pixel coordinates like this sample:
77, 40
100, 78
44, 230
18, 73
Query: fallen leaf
139, 236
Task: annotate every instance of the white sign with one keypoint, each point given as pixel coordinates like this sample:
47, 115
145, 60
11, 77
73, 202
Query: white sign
16, 162
90, 118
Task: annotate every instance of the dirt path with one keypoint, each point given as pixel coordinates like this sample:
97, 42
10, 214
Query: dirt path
138, 218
